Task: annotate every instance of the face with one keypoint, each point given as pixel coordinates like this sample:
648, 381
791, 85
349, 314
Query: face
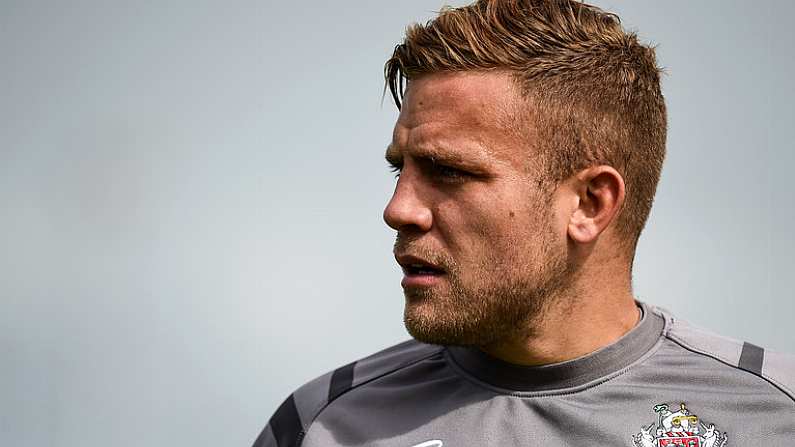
479, 243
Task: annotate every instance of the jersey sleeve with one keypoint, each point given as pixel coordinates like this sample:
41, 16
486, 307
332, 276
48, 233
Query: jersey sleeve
266, 438
779, 369
288, 425
292, 420
776, 368
284, 429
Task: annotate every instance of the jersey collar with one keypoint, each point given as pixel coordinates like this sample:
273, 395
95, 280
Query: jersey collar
565, 375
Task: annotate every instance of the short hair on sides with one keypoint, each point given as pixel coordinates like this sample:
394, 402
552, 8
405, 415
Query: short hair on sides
593, 88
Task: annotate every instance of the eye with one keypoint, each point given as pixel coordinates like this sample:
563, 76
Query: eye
447, 171
448, 174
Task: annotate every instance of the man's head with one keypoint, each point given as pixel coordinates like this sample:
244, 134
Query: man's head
529, 131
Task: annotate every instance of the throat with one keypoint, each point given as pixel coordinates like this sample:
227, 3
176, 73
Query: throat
560, 338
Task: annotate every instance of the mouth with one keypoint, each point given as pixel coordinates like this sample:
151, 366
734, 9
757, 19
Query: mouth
418, 272
421, 269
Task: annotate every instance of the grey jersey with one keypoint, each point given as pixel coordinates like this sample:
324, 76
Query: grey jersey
663, 384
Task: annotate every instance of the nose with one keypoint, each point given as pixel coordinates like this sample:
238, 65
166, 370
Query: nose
406, 209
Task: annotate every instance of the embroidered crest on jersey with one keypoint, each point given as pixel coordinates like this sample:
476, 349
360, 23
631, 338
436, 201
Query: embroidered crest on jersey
679, 428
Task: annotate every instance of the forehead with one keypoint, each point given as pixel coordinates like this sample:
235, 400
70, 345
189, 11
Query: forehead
476, 108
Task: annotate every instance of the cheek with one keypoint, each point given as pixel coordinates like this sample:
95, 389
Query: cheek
485, 226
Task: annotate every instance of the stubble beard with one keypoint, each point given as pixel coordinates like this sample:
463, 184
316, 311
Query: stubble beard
505, 300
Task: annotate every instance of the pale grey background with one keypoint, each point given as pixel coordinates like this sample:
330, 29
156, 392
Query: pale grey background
191, 196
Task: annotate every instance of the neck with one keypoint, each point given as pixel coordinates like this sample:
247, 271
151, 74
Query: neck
571, 327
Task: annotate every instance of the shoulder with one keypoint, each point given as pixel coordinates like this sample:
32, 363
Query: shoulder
294, 416
778, 369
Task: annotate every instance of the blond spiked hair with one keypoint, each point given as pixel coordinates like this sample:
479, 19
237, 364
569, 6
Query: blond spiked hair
593, 88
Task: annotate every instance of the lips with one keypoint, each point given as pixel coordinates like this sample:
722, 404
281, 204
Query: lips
414, 265
418, 272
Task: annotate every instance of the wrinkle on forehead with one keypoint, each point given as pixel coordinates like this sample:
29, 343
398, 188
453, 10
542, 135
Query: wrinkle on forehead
471, 94
479, 107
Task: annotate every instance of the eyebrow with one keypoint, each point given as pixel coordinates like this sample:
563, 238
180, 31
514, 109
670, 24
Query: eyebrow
395, 158
392, 157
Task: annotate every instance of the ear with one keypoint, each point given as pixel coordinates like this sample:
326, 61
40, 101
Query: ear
598, 194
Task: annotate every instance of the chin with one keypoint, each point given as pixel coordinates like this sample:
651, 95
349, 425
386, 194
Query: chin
428, 322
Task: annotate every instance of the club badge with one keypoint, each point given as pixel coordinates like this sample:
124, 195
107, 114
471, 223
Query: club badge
679, 428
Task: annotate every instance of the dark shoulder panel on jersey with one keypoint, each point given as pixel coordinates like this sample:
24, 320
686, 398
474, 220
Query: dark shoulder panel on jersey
292, 419
777, 369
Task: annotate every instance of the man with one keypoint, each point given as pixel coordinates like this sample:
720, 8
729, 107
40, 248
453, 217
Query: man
528, 148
